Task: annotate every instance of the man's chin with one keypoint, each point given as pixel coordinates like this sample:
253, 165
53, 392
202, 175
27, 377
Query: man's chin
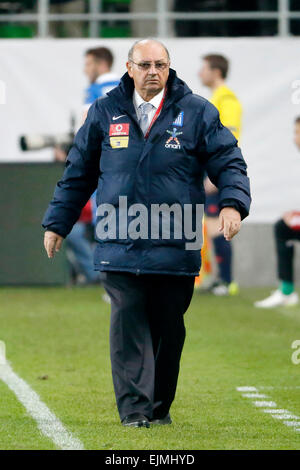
154, 87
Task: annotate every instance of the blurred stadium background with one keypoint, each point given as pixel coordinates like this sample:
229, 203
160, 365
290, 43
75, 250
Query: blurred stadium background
43, 81
51, 333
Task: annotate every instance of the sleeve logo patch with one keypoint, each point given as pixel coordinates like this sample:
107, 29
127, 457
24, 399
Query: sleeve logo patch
118, 129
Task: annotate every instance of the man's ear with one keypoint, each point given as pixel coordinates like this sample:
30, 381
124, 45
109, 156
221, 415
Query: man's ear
128, 65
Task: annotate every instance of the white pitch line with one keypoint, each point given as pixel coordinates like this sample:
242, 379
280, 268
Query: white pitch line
263, 404
270, 407
292, 423
47, 422
254, 395
276, 411
292, 387
286, 416
247, 389
281, 414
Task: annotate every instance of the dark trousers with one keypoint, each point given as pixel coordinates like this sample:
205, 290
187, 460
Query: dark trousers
147, 334
285, 250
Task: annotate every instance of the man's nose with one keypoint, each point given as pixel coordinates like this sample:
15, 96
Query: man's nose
152, 70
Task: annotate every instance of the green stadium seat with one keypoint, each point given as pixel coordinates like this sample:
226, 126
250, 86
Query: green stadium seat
17, 31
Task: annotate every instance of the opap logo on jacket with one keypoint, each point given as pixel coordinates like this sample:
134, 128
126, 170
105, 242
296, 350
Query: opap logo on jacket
170, 142
119, 135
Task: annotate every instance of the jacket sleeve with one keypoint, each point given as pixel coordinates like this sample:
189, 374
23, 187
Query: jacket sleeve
79, 180
224, 162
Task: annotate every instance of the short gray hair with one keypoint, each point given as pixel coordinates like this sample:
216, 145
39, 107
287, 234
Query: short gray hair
131, 50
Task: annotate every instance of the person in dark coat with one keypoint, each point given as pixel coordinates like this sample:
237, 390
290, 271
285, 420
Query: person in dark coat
145, 147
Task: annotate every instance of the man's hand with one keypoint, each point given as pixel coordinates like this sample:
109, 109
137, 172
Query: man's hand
287, 217
59, 154
230, 222
209, 187
52, 242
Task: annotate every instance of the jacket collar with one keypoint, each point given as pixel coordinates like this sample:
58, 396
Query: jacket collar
123, 93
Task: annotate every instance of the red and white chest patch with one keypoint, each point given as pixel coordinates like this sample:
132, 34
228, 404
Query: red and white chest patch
119, 129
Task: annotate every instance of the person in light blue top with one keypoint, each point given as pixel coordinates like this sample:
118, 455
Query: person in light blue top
97, 67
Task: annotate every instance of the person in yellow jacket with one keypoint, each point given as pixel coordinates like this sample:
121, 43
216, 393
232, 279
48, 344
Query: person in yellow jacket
213, 74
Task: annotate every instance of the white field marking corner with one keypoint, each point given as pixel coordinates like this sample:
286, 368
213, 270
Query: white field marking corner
270, 407
47, 422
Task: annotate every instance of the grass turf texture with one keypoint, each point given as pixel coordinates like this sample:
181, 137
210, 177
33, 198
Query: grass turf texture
63, 334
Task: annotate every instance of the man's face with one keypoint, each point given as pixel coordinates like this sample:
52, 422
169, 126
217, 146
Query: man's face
91, 68
206, 74
148, 78
297, 135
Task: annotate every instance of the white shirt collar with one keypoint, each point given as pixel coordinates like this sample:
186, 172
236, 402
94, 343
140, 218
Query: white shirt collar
138, 100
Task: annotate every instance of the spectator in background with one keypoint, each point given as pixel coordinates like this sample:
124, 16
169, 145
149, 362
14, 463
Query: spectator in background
71, 29
286, 230
97, 68
213, 75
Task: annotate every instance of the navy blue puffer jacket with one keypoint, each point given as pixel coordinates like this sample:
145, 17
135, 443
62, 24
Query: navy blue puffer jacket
185, 141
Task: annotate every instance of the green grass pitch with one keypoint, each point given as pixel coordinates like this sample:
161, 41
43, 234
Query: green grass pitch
63, 334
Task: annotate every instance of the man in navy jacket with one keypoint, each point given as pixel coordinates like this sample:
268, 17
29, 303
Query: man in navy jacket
145, 147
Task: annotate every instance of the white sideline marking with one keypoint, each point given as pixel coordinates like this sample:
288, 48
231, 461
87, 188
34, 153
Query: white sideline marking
292, 387
254, 395
270, 407
291, 423
262, 404
276, 411
47, 422
286, 416
247, 389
